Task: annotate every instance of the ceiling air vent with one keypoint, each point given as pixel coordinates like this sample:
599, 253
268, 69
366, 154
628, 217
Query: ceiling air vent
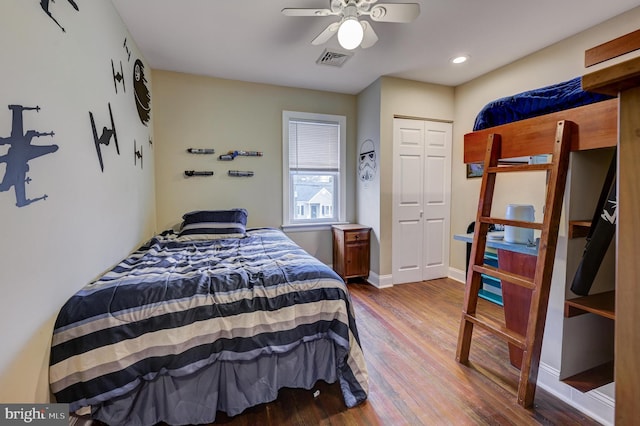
335, 59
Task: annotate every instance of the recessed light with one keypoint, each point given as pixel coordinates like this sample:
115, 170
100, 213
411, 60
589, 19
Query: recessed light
459, 59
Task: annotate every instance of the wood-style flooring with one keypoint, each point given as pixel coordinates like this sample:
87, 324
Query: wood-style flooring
409, 335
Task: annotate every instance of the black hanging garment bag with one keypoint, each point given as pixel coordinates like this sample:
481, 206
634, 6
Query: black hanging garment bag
601, 232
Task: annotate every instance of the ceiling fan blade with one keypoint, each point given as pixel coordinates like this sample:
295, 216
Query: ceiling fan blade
306, 12
370, 37
325, 35
395, 12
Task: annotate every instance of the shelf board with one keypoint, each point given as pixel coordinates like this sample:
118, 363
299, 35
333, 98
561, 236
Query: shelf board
602, 304
579, 228
592, 378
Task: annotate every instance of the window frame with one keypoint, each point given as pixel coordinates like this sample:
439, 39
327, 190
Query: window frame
288, 210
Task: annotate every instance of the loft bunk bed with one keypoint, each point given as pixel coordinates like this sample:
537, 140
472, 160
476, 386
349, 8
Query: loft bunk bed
598, 123
596, 119
527, 121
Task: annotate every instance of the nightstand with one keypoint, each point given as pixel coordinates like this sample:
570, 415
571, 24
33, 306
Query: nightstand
351, 250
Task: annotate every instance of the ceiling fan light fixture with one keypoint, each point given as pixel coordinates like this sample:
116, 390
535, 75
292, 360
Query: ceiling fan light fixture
350, 33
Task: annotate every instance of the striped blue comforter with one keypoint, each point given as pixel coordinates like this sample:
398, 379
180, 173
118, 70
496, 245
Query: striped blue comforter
175, 307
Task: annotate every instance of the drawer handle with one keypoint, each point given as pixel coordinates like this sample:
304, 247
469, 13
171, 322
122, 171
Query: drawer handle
357, 236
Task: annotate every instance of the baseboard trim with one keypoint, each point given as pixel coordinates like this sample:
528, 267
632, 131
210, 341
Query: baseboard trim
595, 404
380, 281
457, 275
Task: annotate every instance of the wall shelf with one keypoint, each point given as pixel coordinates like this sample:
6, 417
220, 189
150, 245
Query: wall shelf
602, 304
592, 379
579, 228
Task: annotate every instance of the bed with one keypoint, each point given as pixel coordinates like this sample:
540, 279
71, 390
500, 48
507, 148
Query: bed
528, 121
211, 318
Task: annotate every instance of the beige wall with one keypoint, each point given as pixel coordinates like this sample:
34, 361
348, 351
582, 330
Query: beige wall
378, 104
91, 219
205, 112
403, 98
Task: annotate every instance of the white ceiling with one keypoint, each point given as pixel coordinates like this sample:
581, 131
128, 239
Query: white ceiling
251, 40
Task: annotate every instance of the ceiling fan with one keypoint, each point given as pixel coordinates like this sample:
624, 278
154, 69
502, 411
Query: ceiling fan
351, 31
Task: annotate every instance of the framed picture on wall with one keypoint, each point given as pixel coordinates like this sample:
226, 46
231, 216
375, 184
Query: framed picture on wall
474, 170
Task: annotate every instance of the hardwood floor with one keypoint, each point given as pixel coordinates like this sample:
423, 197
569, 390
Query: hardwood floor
409, 334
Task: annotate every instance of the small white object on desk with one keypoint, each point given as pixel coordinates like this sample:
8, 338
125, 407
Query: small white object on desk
524, 213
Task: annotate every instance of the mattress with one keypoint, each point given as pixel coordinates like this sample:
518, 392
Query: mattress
182, 329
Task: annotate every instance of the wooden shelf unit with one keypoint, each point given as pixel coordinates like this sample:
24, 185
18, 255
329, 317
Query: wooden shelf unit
579, 228
623, 79
602, 304
593, 378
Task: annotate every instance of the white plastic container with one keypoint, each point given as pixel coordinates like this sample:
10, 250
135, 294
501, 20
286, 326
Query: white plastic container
521, 212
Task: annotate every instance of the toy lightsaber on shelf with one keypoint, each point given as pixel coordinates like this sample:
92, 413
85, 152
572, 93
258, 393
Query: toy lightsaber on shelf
233, 154
190, 173
240, 173
200, 150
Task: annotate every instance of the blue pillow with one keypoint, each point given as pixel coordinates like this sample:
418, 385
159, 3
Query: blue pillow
214, 224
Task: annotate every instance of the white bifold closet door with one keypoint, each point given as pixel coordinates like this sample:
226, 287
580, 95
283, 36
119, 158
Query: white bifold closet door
421, 199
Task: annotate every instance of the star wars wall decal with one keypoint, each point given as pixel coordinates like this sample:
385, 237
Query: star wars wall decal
367, 161
105, 137
141, 91
137, 154
126, 48
20, 152
45, 4
118, 77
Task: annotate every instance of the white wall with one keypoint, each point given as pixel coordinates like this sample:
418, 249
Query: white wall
90, 220
368, 191
205, 112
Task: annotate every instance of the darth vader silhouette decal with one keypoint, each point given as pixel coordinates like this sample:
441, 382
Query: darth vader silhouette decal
141, 92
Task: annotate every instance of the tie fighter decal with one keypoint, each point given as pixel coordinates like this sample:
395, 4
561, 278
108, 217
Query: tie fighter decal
44, 4
118, 77
137, 154
20, 152
126, 48
105, 137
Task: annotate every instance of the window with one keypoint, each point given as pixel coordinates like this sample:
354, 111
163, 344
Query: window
313, 147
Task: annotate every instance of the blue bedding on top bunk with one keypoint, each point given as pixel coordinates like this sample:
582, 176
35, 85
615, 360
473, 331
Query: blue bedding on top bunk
545, 100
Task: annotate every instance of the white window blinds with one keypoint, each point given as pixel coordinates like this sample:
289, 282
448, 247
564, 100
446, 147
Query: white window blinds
314, 146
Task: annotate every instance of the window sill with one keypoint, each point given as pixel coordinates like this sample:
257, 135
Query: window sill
307, 227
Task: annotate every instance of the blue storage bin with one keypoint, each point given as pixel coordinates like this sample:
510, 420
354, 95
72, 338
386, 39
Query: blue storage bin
491, 289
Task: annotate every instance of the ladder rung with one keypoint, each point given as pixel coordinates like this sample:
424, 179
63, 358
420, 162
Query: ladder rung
499, 330
521, 168
518, 223
504, 275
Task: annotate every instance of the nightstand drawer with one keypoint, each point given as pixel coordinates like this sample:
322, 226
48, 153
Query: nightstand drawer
352, 236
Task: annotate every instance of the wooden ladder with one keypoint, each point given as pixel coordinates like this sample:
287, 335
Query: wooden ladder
531, 343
